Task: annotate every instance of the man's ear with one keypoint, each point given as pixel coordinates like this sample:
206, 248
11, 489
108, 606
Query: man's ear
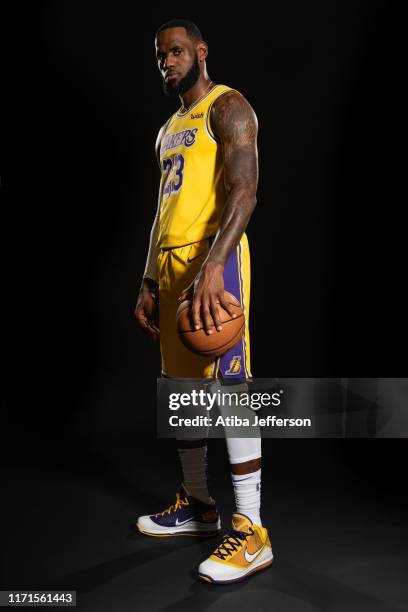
202, 50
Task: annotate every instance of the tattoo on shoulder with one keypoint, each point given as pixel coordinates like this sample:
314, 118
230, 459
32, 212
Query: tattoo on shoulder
233, 119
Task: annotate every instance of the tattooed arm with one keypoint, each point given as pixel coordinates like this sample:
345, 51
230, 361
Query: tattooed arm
235, 125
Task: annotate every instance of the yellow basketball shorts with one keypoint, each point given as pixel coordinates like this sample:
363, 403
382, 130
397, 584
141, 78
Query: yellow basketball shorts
177, 269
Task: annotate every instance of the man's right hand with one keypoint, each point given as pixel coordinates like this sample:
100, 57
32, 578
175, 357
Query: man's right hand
147, 308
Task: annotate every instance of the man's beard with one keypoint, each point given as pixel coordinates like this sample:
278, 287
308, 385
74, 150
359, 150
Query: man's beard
186, 82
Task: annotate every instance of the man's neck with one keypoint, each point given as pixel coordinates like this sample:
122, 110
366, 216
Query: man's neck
198, 90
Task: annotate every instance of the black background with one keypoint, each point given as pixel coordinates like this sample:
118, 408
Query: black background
325, 238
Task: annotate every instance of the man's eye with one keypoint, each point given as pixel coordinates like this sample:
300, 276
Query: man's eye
177, 51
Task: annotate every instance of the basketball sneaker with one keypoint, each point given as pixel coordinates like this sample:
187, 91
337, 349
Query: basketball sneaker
245, 549
187, 516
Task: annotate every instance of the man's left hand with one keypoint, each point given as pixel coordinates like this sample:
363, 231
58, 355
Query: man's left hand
206, 293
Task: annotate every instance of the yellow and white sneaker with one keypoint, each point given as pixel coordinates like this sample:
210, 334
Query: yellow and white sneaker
245, 549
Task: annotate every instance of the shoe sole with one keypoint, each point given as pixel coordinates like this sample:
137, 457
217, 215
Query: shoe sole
258, 568
196, 534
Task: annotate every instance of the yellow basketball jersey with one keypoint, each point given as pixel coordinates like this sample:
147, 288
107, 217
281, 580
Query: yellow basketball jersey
192, 192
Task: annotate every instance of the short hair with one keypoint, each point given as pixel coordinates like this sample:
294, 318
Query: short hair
192, 30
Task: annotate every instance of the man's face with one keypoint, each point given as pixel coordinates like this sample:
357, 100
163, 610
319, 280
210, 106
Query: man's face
177, 60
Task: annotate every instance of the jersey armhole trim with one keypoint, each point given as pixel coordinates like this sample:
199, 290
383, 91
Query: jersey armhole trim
207, 124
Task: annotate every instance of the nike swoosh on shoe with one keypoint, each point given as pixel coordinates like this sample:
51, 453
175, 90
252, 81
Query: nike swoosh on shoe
250, 557
183, 522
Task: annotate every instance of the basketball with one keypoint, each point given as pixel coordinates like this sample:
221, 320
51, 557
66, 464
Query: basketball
217, 343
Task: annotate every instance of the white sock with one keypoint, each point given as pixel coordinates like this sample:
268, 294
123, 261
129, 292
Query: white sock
247, 490
194, 465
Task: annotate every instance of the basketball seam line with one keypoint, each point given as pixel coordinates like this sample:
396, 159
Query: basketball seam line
210, 352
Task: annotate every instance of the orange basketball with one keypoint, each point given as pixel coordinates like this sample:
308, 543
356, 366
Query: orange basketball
217, 343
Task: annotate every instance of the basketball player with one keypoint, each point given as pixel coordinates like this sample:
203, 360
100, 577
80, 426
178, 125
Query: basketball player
207, 154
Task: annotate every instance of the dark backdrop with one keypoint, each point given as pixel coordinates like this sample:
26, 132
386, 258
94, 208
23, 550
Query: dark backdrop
327, 268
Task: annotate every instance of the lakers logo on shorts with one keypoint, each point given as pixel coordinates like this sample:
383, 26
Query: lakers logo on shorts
235, 365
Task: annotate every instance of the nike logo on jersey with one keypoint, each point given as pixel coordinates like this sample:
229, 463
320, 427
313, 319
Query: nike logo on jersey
250, 557
190, 259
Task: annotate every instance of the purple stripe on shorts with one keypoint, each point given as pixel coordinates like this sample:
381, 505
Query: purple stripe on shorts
232, 364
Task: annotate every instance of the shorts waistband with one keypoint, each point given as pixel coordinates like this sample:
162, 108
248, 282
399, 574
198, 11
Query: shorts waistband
210, 241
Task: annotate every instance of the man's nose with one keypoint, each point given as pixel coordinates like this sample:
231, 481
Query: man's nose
168, 62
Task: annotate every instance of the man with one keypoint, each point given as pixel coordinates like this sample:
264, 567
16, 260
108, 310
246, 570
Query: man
207, 154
